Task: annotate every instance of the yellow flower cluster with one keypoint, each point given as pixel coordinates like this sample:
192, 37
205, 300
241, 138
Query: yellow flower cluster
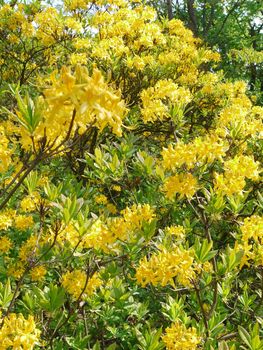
15, 269
201, 151
166, 265
6, 219
76, 4
133, 34
78, 58
79, 98
101, 199
5, 244
105, 235
49, 25
18, 332
76, 282
184, 184
176, 27
28, 248
252, 228
5, 151
9, 218
23, 222
178, 337
236, 170
28, 204
240, 119
98, 237
136, 215
251, 240
38, 273
176, 231
134, 27
124, 228
157, 100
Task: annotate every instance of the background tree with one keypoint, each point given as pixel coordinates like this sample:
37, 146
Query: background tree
234, 28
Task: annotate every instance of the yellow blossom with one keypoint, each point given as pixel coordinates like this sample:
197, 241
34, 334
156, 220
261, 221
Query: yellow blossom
236, 171
184, 184
101, 199
164, 266
16, 270
28, 248
177, 231
6, 220
178, 337
6, 151
154, 100
5, 244
23, 222
38, 273
18, 332
116, 188
78, 284
252, 228
78, 58
111, 208
200, 151
30, 202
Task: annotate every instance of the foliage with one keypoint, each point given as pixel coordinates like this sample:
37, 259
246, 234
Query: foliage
130, 196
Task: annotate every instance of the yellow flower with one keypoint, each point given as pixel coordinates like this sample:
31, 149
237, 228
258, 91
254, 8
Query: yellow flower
207, 267
29, 203
38, 273
16, 270
137, 214
156, 101
228, 185
236, 171
23, 222
6, 151
5, 244
74, 282
111, 208
252, 228
164, 266
78, 58
184, 184
98, 237
6, 220
18, 332
101, 199
178, 337
73, 24
177, 231
200, 151
28, 248
68, 234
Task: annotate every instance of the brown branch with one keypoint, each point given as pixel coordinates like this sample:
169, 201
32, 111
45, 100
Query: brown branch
34, 163
205, 319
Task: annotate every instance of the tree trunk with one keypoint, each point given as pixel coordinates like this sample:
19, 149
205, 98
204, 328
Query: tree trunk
169, 9
192, 17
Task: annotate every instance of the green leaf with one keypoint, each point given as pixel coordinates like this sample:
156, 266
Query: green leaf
244, 335
203, 251
6, 294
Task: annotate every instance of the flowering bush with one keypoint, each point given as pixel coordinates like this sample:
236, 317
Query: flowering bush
130, 202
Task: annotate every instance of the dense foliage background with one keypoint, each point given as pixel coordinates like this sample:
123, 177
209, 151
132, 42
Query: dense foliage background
130, 167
